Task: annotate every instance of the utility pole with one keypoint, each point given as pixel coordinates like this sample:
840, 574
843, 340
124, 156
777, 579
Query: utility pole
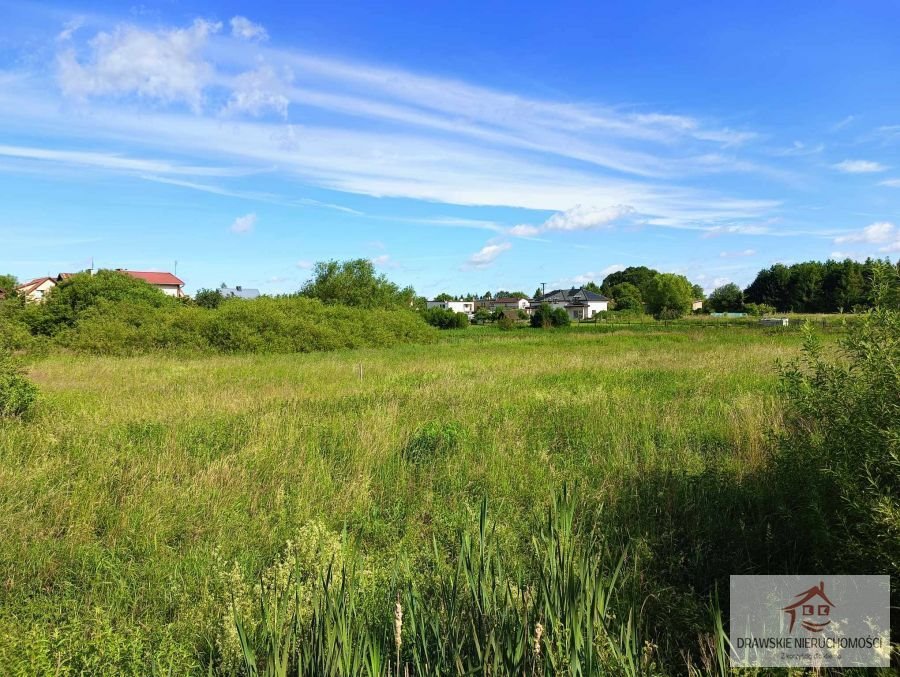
543, 288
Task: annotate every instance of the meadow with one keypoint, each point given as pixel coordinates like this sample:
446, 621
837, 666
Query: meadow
146, 498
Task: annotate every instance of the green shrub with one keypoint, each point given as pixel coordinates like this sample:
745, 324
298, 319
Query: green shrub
842, 441
264, 325
546, 316
433, 439
839, 456
506, 323
17, 393
444, 318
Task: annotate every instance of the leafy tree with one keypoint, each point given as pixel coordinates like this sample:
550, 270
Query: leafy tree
511, 294
537, 293
626, 297
639, 276
727, 298
444, 296
697, 291
208, 298
668, 295
594, 287
8, 284
355, 283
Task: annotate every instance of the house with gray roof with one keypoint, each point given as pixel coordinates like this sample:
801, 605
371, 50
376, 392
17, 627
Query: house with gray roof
579, 304
238, 292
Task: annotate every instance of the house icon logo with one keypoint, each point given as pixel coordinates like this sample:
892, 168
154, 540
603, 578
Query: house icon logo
812, 607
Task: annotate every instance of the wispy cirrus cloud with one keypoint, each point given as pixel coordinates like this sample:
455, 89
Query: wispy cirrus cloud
859, 167
390, 132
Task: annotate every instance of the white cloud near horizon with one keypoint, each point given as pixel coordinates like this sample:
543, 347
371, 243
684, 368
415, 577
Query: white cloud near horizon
884, 235
243, 224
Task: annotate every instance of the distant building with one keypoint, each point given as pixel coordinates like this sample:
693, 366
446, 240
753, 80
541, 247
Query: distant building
467, 307
579, 304
166, 282
504, 302
35, 290
697, 305
238, 292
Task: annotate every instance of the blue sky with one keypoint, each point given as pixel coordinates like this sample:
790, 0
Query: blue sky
463, 147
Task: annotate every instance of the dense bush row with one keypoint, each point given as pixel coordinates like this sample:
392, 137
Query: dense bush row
110, 313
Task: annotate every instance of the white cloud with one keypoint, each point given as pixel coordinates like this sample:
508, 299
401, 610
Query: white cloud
598, 277
110, 161
890, 183
578, 217
885, 236
243, 28
487, 255
243, 224
70, 28
164, 65
859, 167
524, 230
875, 233
582, 218
255, 92
737, 254
304, 264
842, 123
392, 133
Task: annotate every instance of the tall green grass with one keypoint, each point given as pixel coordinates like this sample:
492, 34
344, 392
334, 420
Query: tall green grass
149, 500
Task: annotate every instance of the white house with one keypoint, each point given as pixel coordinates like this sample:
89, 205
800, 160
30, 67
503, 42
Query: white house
467, 307
579, 304
697, 305
509, 303
35, 290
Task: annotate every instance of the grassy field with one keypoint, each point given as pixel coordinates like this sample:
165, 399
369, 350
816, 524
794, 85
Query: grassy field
146, 494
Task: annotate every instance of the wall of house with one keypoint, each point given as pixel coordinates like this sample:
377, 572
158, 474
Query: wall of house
168, 289
467, 307
37, 294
